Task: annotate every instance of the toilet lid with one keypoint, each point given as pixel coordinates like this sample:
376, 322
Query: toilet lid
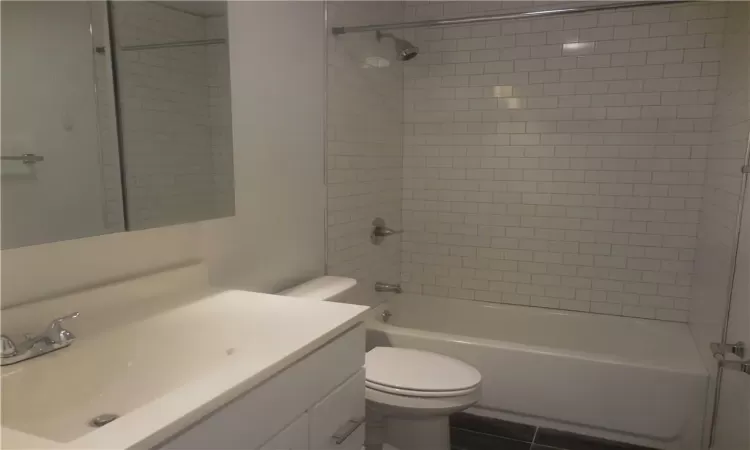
417, 370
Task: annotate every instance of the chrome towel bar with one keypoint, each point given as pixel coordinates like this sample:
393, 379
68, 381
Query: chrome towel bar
26, 158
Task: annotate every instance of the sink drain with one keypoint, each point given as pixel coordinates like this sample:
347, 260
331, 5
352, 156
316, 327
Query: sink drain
102, 419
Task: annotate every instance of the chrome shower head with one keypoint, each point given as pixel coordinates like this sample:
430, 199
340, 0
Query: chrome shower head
408, 53
406, 50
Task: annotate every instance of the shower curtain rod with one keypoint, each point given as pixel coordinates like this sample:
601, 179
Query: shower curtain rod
498, 17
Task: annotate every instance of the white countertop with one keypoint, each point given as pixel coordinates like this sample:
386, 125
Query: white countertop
163, 370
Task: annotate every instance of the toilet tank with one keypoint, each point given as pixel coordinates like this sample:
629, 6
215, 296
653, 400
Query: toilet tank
331, 289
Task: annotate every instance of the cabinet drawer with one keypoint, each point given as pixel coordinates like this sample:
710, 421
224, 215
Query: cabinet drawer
293, 437
337, 421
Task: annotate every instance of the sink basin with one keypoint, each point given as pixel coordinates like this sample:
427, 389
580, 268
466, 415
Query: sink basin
179, 362
56, 395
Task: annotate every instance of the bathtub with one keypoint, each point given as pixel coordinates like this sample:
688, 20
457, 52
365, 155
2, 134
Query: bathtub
625, 377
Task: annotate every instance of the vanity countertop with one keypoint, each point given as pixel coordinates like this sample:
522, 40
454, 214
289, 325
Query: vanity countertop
163, 370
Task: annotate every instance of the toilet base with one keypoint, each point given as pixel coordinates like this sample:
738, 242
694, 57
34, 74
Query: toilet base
413, 422
406, 432
423, 433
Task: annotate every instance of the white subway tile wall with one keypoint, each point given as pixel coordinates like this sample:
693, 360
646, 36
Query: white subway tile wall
167, 99
363, 149
559, 162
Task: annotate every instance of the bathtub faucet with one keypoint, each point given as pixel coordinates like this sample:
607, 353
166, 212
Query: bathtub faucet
385, 287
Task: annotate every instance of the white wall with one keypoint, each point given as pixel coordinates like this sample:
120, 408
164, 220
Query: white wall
276, 238
731, 126
39, 271
277, 57
733, 421
558, 162
364, 156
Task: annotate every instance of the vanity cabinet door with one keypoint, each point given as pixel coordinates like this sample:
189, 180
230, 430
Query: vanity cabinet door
293, 437
337, 421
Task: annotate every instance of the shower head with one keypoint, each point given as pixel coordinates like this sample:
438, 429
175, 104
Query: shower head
406, 50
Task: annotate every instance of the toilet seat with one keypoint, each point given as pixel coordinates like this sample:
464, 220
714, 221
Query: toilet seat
418, 393
416, 373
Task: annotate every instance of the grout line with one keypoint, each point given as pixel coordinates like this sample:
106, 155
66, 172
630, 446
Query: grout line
536, 431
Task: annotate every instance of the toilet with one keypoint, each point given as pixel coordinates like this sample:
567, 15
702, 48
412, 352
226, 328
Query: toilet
410, 393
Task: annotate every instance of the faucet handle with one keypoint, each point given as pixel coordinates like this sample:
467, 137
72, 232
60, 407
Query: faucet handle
385, 231
57, 333
9, 348
380, 231
62, 319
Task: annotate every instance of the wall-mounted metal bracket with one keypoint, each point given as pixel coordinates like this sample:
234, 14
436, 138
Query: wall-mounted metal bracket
739, 366
719, 350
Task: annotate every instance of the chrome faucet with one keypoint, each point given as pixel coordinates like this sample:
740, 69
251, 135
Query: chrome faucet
54, 337
385, 287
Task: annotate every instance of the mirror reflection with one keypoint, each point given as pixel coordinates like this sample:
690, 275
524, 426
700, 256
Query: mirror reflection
116, 116
172, 66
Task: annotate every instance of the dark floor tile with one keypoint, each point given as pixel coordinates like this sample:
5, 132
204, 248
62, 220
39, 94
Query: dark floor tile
573, 441
544, 447
470, 440
496, 427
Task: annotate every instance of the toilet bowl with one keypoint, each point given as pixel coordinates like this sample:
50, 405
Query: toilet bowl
410, 393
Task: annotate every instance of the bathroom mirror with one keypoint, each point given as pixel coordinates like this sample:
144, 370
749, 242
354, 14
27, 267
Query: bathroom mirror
115, 116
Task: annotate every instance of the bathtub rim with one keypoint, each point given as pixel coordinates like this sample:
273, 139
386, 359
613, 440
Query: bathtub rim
375, 322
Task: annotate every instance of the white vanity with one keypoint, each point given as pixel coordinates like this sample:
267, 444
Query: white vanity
187, 367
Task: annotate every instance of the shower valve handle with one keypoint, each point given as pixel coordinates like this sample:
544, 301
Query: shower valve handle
380, 231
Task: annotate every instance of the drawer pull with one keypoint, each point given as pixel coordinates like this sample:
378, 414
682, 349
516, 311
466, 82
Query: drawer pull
347, 429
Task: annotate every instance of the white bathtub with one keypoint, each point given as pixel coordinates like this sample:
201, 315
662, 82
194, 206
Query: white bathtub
623, 376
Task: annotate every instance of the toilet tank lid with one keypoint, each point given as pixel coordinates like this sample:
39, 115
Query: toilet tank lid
322, 288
